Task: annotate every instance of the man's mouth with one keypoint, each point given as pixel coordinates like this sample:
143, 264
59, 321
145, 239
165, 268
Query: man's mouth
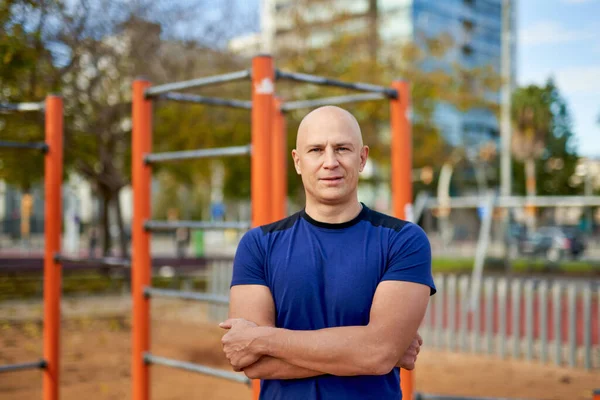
332, 179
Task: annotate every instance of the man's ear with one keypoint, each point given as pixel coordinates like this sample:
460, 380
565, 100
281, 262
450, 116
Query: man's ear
296, 161
364, 154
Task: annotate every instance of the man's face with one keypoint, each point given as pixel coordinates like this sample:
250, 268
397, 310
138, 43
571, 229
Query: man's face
329, 156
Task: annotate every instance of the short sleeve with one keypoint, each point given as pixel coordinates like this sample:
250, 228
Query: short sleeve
409, 257
248, 263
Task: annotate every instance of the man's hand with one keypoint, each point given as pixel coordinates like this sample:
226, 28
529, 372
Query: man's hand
237, 342
409, 358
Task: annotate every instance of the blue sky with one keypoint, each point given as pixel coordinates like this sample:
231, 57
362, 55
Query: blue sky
561, 38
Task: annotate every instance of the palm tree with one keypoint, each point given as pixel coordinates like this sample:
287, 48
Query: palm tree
532, 121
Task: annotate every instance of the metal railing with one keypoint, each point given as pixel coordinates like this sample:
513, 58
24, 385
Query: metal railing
523, 318
489, 327
103, 261
194, 83
187, 295
319, 80
153, 225
24, 146
213, 101
196, 154
8, 107
201, 369
353, 98
23, 366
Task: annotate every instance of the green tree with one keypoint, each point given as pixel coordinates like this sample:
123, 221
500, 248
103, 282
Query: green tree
557, 156
90, 53
26, 75
532, 121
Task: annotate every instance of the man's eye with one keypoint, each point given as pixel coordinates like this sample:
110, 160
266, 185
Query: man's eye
314, 150
342, 149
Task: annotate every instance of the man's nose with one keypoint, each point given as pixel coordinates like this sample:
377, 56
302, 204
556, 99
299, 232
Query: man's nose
331, 160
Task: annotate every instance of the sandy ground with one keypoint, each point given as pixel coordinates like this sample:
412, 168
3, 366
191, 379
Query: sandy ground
96, 359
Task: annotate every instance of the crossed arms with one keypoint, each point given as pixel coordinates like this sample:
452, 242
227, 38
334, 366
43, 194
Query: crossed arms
253, 345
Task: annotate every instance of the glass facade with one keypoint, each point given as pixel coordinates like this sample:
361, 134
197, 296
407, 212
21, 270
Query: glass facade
476, 29
474, 25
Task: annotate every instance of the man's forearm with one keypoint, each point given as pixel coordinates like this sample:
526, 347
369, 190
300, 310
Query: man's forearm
343, 351
272, 368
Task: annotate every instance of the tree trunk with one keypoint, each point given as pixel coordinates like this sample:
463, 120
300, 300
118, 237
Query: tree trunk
105, 221
531, 190
123, 240
373, 40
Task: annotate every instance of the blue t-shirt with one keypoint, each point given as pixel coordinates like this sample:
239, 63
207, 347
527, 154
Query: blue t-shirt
325, 275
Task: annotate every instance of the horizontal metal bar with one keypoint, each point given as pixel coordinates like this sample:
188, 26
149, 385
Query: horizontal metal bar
294, 105
20, 145
108, 261
194, 83
23, 366
178, 294
214, 101
425, 396
516, 201
201, 153
219, 373
319, 80
36, 263
173, 225
22, 106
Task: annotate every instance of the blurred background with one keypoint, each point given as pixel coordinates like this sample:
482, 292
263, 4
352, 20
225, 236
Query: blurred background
505, 117
503, 101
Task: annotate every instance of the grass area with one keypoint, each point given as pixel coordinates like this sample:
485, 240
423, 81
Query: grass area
461, 265
31, 286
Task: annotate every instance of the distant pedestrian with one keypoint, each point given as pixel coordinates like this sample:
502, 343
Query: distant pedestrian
182, 240
93, 241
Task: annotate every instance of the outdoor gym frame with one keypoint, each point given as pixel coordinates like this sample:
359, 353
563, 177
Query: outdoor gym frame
268, 152
53, 169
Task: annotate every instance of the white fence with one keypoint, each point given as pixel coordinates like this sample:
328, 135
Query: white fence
543, 319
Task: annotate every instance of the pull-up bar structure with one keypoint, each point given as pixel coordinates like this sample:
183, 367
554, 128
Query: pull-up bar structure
25, 146
262, 109
11, 107
268, 152
319, 80
53, 168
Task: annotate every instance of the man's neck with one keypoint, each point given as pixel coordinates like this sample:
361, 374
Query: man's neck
333, 213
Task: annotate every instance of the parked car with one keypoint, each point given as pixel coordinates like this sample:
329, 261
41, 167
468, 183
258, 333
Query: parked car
554, 243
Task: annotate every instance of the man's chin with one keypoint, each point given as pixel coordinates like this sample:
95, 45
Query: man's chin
333, 196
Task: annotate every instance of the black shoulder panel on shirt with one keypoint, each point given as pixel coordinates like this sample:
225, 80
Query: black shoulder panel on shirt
385, 221
281, 225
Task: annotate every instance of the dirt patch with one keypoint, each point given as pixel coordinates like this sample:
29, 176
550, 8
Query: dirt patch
96, 362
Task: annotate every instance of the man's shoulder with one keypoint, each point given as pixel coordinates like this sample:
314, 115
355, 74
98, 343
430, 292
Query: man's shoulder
281, 225
382, 220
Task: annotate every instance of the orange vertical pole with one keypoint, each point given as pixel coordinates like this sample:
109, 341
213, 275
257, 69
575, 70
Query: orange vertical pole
140, 262
53, 170
279, 159
263, 88
401, 183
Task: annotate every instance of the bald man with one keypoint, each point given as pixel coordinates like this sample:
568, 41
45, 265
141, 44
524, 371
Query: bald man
325, 304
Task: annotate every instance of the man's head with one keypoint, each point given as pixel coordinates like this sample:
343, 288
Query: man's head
329, 155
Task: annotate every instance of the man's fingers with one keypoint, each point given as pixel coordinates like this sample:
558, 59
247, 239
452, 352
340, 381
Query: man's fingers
227, 324
419, 339
414, 344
